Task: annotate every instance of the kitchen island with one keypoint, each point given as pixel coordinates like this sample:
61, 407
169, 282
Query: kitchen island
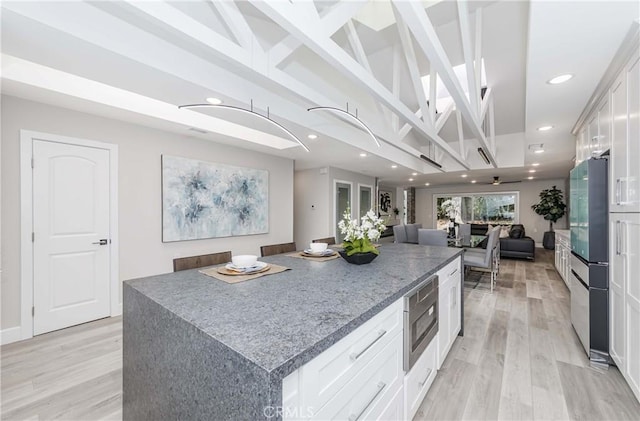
198, 348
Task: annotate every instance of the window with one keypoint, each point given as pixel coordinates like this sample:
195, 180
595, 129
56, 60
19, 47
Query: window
476, 208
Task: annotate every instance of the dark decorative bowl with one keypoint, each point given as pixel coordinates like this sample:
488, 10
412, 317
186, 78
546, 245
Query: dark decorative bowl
358, 258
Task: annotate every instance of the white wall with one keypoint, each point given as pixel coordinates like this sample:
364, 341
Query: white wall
311, 206
534, 224
314, 188
142, 252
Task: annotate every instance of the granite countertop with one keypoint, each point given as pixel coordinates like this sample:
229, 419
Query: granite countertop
281, 321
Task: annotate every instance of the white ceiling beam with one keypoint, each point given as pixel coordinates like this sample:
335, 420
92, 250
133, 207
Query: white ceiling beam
273, 75
485, 103
332, 20
463, 149
444, 116
467, 51
395, 85
237, 24
406, 128
433, 92
478, 53
361, 56
412, 64
425, 34
295, 21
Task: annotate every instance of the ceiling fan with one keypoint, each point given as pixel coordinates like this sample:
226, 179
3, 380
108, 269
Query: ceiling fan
496, 181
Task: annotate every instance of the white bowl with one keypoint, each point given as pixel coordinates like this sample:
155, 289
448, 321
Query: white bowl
318, 247
244, 260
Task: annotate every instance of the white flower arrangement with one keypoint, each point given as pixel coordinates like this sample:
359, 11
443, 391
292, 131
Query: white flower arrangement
358, 238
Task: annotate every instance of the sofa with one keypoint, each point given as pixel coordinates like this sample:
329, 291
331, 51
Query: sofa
517, 244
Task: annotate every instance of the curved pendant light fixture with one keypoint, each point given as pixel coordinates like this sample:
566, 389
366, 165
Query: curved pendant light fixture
244, 110
351, 116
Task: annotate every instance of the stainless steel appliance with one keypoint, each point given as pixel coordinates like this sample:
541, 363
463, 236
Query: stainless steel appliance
420, 320
588, 220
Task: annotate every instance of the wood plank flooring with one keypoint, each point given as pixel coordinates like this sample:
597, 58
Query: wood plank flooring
519, 360
71, 374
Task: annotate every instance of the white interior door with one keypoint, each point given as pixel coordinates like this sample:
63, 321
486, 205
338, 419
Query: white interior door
70, 218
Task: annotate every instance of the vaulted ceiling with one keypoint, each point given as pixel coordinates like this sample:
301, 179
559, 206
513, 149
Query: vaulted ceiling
137, 61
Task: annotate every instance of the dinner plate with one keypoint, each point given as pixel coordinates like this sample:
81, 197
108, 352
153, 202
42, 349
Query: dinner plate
324, 253
258, 267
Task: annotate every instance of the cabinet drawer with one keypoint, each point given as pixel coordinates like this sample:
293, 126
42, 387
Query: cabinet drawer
371, 390
322, 377
418, 381
449, 272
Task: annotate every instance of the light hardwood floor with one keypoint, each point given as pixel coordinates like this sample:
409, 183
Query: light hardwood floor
71, 374
519, 359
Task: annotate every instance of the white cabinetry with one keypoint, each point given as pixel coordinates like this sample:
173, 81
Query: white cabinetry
563, 255
362, 375
625, 150
624, 304
357, 377
449, 308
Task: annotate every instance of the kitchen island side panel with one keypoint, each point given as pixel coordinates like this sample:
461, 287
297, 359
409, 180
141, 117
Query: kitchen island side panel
173, 370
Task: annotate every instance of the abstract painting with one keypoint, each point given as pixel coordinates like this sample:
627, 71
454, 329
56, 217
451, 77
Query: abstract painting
209, 200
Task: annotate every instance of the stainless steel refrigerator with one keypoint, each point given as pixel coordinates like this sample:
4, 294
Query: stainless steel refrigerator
588, 221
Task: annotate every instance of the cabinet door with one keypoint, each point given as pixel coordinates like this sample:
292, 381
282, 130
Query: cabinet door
604, 128
443, 320
631, 252
618, 162
593, 139
631, 186
617, 328
580, 145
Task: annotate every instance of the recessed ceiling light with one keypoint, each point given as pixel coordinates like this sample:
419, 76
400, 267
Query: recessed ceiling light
538, 151
529, 178
464, 176
535, 164
532, 171
312, 136
363, 154
214, 101
394, 166
473, 181
411, 179
544, 128
414, 173
427, 184
560, 79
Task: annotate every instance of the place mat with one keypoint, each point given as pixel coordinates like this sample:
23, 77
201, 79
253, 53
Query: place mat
301, 255
234, 279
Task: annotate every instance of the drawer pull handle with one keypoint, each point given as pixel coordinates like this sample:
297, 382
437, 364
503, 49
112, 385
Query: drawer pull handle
355, 356
422, 383
451, 274
355, 417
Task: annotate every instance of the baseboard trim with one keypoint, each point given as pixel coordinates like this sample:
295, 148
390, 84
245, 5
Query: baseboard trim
9, 335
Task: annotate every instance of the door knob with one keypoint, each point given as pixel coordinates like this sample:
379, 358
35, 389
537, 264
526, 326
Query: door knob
102, 242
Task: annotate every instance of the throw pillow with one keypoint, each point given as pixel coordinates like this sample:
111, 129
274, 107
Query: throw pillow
516, 232
504, 231
489, 228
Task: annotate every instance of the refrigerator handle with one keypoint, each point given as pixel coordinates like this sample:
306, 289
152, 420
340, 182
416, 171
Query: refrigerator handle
618, 189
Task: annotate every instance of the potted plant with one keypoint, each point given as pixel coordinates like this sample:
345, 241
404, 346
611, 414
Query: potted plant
359, 238
551, 206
